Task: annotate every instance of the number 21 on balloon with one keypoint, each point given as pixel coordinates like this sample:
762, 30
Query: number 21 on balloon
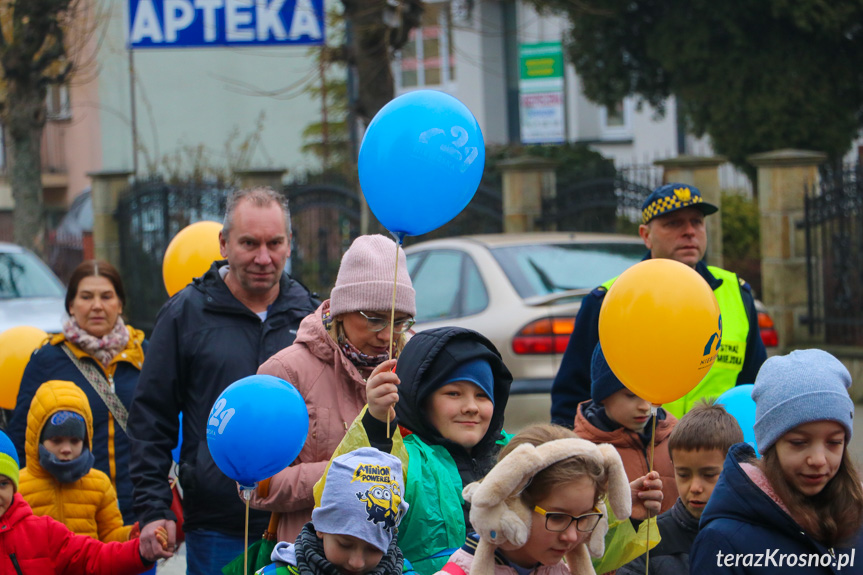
220, 416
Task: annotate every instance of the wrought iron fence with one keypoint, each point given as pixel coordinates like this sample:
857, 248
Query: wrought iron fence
149, 215
833, 226
610, 204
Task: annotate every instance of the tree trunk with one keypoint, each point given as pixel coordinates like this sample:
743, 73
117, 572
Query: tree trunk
370, 51
25, 120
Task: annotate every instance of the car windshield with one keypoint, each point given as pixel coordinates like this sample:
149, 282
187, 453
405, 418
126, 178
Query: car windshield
23, 275
541, 269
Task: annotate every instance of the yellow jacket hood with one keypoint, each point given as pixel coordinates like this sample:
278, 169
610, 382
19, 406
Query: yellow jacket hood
51, 397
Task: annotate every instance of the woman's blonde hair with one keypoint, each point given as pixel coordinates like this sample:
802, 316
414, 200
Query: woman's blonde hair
561, 472
832, 516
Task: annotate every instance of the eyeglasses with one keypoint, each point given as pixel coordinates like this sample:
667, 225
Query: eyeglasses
377, 324
560, 522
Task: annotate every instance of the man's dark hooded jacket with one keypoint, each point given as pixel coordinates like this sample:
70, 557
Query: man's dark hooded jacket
204, 340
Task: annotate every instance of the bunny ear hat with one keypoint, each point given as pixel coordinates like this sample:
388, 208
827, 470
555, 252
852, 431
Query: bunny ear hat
501, 519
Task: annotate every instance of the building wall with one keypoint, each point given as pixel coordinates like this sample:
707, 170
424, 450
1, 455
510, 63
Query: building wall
211, 98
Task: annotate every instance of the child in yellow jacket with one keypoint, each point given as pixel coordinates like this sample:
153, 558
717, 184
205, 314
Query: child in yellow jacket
59, 479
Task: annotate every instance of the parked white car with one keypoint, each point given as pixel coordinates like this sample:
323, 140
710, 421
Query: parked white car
30, 293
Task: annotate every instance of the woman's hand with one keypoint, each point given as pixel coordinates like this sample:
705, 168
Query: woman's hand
646, 496
382, 391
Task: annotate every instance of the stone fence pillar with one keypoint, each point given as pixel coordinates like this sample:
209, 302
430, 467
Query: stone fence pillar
782, 179
527, 180
107, 189
267, 177
703, 173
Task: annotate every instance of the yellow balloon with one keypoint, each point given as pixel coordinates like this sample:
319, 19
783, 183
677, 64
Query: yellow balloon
660, 328
17, 344
190, 254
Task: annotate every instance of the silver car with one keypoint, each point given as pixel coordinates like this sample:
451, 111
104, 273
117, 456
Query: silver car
30, 293
522, 291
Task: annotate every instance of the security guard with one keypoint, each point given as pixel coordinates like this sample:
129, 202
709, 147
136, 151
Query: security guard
673, 228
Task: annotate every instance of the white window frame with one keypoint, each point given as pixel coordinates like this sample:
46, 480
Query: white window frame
623, 132
64, 111
446, 84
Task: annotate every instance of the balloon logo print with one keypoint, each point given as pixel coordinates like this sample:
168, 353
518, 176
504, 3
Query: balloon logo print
219, 418
461, 138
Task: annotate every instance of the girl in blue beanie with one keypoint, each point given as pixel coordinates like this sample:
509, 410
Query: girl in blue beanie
800, 508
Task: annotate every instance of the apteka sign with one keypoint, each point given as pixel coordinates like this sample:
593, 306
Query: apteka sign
204, 23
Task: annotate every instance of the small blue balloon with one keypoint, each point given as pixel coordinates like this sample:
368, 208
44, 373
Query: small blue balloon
256, 428
421, 161
739, 403
175, 453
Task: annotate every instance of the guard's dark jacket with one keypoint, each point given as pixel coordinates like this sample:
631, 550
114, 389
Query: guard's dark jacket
572, 383
203, 341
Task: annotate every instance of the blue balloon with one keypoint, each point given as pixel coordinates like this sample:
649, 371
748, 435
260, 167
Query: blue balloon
175, 453
256, 428
421, 161
739, 403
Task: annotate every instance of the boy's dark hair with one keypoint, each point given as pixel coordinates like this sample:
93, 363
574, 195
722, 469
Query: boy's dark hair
706, 426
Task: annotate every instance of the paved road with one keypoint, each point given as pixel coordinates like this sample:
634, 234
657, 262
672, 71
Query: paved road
522, 411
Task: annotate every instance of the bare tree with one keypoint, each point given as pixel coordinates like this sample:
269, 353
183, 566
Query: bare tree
378, 27
34, 53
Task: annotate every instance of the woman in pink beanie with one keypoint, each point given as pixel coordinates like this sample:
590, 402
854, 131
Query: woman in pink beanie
336, 349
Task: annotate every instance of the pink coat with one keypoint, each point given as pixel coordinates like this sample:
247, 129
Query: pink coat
335, 393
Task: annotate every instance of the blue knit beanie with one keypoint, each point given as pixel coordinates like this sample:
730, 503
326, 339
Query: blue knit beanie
603, 382
804, 386
476, 371
9, 459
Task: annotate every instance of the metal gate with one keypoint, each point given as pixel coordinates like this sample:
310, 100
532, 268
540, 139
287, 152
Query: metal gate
149, 215
833, 225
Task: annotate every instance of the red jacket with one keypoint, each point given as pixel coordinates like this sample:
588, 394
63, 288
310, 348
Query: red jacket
42, 545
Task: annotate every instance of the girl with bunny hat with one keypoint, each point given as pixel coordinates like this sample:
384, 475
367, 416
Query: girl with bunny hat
541, 509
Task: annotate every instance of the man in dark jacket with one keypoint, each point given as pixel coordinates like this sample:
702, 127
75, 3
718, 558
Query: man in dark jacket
673, 228
216, 330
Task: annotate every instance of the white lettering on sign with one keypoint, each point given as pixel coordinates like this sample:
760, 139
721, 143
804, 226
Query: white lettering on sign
235, 17
178, 15
268, 20
146, 23
305, 22
224, 21
208, 9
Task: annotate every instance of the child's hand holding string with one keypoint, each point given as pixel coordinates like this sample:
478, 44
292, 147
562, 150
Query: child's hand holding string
382, 391
646, 496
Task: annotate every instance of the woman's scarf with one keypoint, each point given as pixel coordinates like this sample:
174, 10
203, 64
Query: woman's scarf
309, 550
104, 348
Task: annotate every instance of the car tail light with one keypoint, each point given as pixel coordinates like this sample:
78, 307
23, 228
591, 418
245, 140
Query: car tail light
768, 331
544, 336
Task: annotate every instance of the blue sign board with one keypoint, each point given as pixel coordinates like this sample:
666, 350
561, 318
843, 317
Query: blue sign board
204, 23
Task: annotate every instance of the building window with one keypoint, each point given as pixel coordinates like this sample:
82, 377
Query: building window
57, 102
616, 121
427, 59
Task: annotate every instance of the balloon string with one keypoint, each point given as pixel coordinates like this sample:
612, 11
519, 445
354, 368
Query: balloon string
393, 321
652, 449
247, 494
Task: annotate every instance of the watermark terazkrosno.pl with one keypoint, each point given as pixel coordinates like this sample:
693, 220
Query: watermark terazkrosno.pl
774, 558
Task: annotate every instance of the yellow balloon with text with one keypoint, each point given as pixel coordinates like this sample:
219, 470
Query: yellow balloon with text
17, 344
660, 329
190, 254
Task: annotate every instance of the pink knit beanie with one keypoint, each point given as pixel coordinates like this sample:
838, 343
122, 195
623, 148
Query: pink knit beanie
365, 280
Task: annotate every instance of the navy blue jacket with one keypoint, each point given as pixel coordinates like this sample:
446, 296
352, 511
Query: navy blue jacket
51, 362
741, 518
572, 384
678, 529
203, 341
